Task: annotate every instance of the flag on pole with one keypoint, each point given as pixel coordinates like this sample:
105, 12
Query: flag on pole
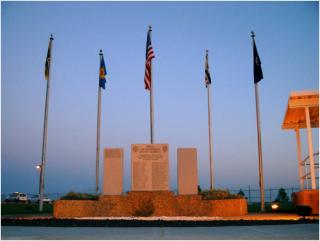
103, 73
48, 61
258, 75
149, 56
207, 72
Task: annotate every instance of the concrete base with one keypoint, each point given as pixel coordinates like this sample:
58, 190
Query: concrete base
162, 203
307, 198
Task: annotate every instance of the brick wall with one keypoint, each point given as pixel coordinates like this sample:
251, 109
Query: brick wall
307, 198
165, 203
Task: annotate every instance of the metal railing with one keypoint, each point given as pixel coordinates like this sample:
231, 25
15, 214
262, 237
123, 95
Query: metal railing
307, 173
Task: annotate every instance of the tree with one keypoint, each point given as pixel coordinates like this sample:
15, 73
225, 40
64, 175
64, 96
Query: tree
241, 193
282, 196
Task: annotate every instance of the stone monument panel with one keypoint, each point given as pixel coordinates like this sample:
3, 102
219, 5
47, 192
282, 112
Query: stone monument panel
113, 171
187, 171
149, 167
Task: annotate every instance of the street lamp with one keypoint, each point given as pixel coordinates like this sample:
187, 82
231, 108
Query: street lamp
39, 167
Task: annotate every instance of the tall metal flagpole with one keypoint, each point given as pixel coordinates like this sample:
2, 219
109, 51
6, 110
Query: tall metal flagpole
210, 140
208, 86
45, 128
98, 131
261, 179
151, 97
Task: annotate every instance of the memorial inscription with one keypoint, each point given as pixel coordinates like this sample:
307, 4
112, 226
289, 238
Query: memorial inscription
187, 171
113, 171
149, 167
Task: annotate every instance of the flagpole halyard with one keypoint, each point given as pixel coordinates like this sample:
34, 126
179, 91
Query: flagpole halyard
45, 125
257, 77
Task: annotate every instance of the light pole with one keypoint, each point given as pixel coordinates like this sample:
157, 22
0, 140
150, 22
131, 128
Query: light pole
38, 167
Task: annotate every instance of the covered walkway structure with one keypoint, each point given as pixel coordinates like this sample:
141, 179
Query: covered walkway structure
303, 112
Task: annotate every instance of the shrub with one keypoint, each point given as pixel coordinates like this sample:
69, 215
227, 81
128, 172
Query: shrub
303, 210
282, 196
79, 196
219, 194
241, 193
145, 209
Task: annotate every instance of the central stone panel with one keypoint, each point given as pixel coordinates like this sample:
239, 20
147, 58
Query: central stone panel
149, 167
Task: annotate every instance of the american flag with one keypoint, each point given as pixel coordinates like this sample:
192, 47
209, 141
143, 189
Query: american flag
149, 57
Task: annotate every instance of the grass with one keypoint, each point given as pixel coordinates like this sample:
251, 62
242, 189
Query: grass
284, 207
25, 208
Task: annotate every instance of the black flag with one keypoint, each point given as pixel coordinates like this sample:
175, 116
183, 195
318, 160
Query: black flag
207, 73
48, 60
258, 75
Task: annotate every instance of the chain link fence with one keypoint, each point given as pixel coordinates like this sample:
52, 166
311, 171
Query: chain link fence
270, 194
252, 195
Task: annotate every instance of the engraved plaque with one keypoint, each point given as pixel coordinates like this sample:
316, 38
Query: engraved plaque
113, 171
187, 171
150, 167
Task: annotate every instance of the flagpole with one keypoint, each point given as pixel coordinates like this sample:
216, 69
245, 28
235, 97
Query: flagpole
45, 132
98, 131
151, 97
210, 142
261, 179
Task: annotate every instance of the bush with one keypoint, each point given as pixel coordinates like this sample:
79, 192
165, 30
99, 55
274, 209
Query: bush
282, 196
219, 194
145, 209
241, 193
303, 210
79, 196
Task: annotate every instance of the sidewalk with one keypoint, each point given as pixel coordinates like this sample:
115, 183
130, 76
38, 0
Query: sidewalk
248, 217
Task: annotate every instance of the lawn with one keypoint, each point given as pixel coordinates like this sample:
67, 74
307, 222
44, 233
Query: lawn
283, 207
22, 208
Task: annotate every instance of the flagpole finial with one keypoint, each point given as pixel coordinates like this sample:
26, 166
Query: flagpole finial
100, 53
150, 28
252, 34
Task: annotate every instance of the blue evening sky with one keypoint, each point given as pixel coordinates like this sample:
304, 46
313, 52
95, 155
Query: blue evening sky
287, 38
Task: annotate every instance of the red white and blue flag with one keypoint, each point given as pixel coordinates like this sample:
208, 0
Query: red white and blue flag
149, 57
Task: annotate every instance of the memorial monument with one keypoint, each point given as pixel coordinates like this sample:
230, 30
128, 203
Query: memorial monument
150, 194
149, 167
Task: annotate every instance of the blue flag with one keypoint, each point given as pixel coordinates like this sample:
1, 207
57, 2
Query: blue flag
103, 73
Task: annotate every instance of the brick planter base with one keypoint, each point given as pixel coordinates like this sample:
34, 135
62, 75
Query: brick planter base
307, 198
162, 203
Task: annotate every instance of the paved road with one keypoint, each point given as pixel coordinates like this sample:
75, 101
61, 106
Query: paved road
292, 231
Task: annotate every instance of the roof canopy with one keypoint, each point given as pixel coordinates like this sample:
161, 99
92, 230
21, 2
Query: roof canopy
295, 115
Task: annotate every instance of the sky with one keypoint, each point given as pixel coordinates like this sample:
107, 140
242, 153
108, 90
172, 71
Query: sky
287, 39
